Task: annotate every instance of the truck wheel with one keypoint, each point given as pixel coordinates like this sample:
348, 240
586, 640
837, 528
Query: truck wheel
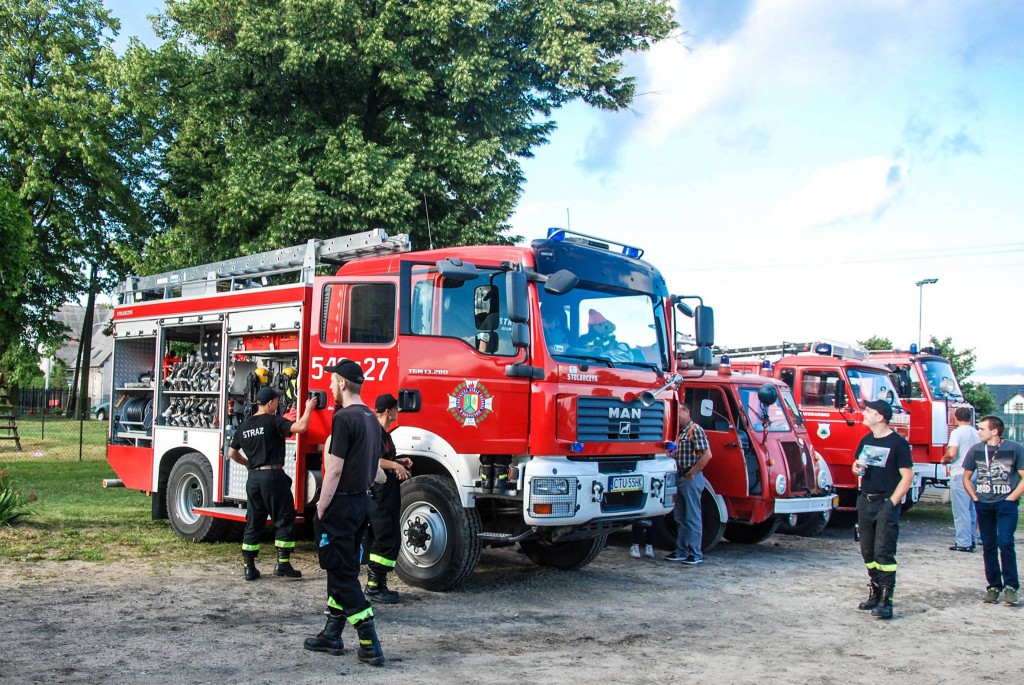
565, 556
807, 525
712, 525
189, 487
751, 534
440, 543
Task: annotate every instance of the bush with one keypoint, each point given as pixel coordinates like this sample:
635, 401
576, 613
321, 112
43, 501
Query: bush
13, 505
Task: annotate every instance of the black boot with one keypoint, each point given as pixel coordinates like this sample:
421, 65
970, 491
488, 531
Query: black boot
377, 589
370, 651
284, 569
874, 596
249, 561
329, 639
884, 608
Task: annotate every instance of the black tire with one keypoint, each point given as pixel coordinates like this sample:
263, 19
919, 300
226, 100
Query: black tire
101, 415
189, 486
712, 525
807, 525
745, 534
440, 537
565, 556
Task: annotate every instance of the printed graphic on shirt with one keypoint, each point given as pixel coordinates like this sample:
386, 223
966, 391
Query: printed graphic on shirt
994, 477
873, 455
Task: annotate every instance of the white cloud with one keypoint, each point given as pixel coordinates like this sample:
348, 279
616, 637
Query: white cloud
858, 187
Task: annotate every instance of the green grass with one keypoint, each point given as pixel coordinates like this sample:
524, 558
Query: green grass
57, 438
77, 519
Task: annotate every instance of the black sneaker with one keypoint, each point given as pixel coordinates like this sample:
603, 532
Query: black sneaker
958, 548
675, 556
693, 561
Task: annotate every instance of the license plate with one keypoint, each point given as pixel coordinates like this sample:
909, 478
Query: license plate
625, 483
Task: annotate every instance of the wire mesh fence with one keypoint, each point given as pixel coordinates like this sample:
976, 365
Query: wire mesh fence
37, 427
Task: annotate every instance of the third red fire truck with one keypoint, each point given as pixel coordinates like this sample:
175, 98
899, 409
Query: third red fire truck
536, 387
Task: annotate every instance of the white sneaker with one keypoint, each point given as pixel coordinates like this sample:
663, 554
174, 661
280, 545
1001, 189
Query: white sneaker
634, 551
649, 551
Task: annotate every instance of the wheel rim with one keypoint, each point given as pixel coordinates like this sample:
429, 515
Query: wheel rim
190, 496
424, 535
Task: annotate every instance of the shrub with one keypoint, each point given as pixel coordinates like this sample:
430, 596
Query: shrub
13, 505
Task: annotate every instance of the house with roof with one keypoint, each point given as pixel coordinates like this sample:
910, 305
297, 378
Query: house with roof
1010, 403
101, 356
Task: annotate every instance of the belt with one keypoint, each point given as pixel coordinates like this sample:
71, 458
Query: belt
875, 496
269, 467
358, 492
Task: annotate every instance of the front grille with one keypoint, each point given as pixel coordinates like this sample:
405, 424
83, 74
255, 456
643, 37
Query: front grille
606, 419
801, 468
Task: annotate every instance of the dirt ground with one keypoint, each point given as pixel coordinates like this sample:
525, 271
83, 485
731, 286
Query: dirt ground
781, 611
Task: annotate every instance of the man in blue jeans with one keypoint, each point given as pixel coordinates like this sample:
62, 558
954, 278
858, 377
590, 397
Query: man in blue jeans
692, 456
1000, 483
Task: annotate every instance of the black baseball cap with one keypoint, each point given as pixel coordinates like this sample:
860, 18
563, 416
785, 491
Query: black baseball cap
347, 369
385, 402
882, 407
266, 396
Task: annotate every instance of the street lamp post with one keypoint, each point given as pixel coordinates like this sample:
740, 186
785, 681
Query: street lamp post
920, 304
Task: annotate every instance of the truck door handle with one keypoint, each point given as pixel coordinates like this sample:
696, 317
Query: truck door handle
732, 444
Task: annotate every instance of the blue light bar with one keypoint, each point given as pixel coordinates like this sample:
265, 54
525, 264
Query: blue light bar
766, 365
577, 447
913, 348
823, 348
631, 252
556, 233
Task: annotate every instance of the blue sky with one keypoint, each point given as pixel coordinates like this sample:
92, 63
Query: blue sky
800, 165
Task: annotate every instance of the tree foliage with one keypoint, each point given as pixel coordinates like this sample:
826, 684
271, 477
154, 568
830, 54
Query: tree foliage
962, 361
71, 148
16, 239
876, 343
291, 120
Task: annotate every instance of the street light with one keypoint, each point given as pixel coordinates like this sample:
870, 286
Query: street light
920, 304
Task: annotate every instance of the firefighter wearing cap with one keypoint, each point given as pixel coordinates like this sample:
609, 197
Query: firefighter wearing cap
385, 534
259, 445
887, 473
343, 512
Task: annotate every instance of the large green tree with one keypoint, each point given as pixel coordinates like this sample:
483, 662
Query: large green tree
74, 150
289, 120
963, 361
16, 240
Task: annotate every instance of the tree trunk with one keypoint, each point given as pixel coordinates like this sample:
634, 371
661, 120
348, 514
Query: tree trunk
85, 362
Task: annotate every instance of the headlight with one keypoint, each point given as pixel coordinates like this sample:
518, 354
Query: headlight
824, 475
780, 484
670, 479
550, 486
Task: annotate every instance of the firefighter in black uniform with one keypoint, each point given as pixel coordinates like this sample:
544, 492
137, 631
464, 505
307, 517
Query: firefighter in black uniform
259, 444
887, 473
343, 513
384, 534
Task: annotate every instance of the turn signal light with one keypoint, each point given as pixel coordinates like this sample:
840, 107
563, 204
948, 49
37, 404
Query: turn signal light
542, 509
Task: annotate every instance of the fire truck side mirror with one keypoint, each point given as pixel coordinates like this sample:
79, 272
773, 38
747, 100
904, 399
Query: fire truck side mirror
518, 300
840, 399
561, 282
454, 269
704, 326
702, 356
520, 336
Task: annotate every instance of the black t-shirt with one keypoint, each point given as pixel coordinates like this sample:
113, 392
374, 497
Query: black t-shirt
356, 437
261, 438
998, 469
884, 458
390, 452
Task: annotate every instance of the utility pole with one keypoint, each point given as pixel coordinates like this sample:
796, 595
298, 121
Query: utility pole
920, 305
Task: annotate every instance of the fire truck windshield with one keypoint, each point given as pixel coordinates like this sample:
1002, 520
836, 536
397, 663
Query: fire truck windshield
613, 327
794, 411
777, 422
941, 381
867, 385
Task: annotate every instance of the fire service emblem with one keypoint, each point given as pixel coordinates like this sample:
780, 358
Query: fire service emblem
470, 403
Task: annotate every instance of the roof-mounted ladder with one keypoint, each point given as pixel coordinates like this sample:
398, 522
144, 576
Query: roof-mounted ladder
208, 278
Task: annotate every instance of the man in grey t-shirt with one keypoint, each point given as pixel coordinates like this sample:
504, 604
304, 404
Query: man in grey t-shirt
961, 440
1000, 467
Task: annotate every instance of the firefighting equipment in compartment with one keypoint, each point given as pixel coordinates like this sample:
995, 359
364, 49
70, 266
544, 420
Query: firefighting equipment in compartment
286, 383
262, 374
209, 348
256, 380
192, 412
193, 375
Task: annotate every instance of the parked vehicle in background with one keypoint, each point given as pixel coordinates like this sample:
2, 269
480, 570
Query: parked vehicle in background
764, 471
102, 411
929, 390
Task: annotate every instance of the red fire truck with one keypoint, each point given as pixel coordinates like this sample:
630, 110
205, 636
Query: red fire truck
929, 390
764, 471
524, 426
831, 381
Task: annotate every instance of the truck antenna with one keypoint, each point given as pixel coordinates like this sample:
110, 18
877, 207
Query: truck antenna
427, 211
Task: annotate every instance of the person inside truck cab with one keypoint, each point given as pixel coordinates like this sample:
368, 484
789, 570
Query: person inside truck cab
600, 339
556, 332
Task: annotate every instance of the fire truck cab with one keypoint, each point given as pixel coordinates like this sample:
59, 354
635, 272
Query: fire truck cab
831, 383
764, 471
929, 390
535, 388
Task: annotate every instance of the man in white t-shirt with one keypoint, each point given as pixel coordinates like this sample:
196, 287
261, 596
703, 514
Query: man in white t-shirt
961, 440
